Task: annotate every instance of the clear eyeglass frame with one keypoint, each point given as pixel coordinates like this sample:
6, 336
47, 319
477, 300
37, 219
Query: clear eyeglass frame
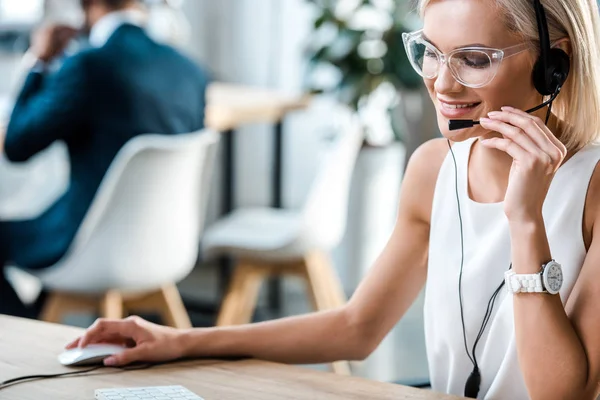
494, 55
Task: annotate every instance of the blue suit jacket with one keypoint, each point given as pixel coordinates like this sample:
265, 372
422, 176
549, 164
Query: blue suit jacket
95, 103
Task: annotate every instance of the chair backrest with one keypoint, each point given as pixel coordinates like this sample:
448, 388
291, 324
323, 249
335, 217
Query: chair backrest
326, 210
143, 228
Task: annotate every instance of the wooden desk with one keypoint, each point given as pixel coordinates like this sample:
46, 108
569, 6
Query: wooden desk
230, 106
28, 347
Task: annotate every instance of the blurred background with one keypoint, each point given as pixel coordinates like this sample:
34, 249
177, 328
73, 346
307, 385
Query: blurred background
312, 61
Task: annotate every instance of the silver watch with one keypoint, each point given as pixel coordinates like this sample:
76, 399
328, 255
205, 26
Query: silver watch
548, 280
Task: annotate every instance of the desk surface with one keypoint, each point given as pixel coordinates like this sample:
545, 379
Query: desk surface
231, 105
30, 347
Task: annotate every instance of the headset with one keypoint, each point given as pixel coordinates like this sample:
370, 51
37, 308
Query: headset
549, 74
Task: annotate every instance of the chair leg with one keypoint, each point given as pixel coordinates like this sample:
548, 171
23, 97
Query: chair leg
59, 303
111, 305
325, 290
241, 297
324, 283
166, 301
53, 309
173, 311
341, 368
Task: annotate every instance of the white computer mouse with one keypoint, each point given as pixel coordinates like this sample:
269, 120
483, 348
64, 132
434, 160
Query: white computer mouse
92, 354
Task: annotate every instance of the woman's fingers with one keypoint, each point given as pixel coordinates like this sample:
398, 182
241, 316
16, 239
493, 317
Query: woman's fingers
511, 131
538, 122
113, 339
73, 344
536, 129
508, 146
103, 330
138, 353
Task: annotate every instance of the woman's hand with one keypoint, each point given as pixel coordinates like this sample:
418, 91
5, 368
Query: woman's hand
147, 341
536, 154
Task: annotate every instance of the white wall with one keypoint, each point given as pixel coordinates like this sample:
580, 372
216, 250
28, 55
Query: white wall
259, 43
8, 68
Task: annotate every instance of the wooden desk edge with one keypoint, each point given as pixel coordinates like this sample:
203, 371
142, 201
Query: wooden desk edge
223, 119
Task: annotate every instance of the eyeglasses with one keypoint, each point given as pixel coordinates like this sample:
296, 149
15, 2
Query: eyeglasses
473, 67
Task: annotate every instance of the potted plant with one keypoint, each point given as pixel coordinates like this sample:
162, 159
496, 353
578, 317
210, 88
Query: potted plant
356, 52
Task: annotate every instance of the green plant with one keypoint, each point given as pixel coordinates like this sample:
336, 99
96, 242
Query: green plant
363, 56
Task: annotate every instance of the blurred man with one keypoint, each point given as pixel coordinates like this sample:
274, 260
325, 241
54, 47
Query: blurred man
125, 85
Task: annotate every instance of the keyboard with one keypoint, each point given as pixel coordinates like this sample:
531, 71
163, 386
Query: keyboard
147, 393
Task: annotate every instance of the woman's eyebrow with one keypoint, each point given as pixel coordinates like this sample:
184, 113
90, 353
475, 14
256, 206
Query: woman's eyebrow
458, 47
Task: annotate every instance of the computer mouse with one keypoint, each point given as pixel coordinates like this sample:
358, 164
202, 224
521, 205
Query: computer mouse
89, 355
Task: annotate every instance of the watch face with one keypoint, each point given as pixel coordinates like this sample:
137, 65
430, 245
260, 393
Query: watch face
553, 277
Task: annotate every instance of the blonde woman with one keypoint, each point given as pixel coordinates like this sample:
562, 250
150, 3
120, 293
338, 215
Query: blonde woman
515, 193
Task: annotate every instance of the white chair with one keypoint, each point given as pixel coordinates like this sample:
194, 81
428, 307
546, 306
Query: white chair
141, 234
268, 241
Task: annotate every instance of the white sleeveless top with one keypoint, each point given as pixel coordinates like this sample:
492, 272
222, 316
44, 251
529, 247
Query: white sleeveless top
487, 256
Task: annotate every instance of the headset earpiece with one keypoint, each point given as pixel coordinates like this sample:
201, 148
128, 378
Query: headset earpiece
549, 78
561, 66
552, 67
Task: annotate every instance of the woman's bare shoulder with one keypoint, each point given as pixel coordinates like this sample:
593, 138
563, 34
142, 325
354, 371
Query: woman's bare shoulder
591, 212
428, 158
421, 175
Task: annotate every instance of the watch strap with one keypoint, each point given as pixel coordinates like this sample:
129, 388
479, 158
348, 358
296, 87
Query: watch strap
523, 283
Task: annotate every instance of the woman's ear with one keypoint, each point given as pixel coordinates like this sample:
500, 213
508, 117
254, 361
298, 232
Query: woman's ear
563, 44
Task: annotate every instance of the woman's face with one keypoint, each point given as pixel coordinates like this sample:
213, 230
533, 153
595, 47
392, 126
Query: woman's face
451, 24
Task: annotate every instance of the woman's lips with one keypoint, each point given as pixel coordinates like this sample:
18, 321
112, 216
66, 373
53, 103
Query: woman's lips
456, 110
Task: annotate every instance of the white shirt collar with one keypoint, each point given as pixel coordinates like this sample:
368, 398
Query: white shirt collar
107, 25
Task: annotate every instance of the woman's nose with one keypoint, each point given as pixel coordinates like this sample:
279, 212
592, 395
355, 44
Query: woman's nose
445, 81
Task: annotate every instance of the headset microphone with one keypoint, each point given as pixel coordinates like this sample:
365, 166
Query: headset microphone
455, 124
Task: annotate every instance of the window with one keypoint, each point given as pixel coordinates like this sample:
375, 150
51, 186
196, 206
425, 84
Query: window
21, 12
17, 18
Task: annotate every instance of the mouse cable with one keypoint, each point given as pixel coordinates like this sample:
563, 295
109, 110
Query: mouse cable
10, 382
134, 367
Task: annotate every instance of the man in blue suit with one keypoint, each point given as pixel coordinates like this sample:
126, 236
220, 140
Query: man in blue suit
123, 86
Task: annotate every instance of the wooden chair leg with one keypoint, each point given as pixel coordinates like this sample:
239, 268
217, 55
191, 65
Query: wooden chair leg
341, 368
173, 312
166, 302
324, 284
53, 309
325, 290
241, 297
111, 305
59, 304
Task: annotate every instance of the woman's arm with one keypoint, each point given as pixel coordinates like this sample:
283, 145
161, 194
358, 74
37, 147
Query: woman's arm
354, 331
554, 344
350, 332
558, 349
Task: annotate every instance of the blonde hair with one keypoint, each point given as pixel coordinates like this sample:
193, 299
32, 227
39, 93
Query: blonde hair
578, 105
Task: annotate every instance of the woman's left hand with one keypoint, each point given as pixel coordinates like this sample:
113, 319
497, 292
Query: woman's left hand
536, 154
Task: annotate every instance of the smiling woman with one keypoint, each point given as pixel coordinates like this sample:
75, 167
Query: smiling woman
476, 68
499, 222
580, 97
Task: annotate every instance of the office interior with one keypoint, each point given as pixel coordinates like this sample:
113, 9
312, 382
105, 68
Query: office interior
302, 68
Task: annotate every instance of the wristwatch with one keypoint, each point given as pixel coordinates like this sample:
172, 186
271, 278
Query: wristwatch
548, 280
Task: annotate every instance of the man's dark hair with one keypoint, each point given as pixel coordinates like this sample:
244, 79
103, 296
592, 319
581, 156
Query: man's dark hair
113, 4
117, 3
